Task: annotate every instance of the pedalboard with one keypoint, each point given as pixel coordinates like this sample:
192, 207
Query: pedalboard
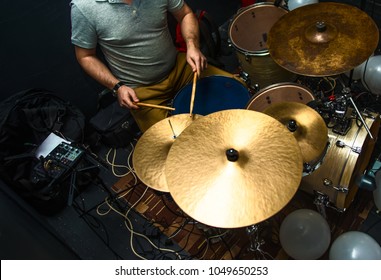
62, 159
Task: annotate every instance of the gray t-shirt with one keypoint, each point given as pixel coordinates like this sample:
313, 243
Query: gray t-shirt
134, 39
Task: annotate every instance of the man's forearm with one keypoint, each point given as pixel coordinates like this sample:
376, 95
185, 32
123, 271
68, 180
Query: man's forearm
190, 31
96, 69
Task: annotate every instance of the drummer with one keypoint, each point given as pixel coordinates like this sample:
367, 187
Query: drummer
142, 63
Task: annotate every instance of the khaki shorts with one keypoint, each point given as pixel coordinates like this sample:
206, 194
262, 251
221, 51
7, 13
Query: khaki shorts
164, 92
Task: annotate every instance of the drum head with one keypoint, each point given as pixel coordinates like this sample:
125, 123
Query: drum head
249, 28
282, 92
213, 94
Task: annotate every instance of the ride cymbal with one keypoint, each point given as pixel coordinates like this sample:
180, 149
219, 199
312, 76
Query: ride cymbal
323, 39
307, 126
151, 150
234, 168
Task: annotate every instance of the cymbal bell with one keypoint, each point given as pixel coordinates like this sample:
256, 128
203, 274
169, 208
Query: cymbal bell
307, 126
151, 150
323, 39
234, 168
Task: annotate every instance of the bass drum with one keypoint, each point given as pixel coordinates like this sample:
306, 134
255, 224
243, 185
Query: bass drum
248, 33
346, 160
213, 94
282, 92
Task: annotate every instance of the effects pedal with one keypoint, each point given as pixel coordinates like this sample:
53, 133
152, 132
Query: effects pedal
57, 163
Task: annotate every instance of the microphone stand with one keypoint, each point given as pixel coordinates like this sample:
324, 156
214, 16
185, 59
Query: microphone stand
346, 94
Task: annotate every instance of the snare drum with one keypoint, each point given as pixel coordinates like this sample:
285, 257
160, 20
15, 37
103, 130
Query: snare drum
338, 174
282, 92
248, 35
213, 93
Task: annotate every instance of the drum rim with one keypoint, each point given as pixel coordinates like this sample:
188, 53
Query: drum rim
284, 84
213, 76
241, 87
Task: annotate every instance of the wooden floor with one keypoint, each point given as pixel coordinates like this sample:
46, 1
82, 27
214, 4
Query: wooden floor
209, 243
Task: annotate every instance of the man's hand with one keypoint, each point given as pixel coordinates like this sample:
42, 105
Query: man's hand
196, 60
127, 97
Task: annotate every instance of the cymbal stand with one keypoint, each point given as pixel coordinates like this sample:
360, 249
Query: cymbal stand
350, 78
347, 95
255, 241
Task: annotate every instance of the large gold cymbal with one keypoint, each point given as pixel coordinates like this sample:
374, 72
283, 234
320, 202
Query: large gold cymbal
234, 168
307, 126
151, 150
323, 39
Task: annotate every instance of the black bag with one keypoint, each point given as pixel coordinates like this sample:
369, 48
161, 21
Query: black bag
114, 126
27, 118
210, 38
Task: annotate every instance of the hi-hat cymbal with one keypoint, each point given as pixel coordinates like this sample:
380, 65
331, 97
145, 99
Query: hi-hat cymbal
234, 168
323, 39
151, 150
307, 126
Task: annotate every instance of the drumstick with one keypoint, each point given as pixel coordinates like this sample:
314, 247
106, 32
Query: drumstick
154, 106
193, 93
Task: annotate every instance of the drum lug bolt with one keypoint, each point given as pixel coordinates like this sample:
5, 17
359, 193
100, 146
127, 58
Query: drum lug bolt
327, 182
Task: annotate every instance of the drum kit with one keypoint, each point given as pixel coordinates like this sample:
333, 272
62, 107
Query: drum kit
236, 167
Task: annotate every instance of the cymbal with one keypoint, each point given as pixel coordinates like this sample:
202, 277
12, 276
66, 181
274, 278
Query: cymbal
234, 168
151, 150
323, 39
307, 126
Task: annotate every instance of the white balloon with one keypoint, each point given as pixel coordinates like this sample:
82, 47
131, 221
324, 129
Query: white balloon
372, 76
305, 235
355, 245
293, 4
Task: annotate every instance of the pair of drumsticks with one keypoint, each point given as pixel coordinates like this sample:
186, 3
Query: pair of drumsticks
170, 108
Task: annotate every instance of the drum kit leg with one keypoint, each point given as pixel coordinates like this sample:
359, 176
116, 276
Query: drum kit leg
237, 168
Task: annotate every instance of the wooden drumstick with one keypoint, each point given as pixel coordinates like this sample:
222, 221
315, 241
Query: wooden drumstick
154, 106
193, 93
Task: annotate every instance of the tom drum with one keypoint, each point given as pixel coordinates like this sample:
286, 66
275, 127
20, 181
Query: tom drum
248, 35
282, 92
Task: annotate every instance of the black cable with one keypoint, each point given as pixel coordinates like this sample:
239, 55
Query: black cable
187, 240
227, 246
169, 208
106, 242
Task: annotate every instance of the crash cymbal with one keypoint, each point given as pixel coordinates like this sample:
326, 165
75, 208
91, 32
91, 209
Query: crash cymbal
234, 168
307, 126
323, 39
151, 150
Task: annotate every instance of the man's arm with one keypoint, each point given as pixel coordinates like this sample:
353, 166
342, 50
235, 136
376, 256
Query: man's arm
190, 32
96, 69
